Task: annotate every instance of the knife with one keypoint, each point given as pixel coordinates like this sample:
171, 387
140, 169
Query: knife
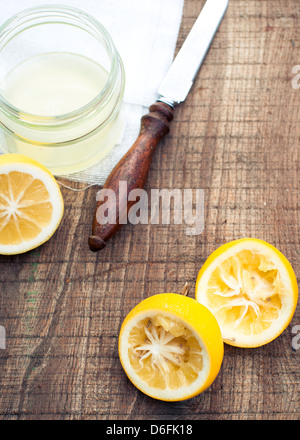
133, 168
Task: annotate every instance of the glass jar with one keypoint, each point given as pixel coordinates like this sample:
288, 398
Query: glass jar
76, 139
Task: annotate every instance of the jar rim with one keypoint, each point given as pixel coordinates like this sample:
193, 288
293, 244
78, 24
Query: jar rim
51, 14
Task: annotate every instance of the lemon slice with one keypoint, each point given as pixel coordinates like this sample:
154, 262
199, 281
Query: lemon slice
170, 347
251, 289
31, 204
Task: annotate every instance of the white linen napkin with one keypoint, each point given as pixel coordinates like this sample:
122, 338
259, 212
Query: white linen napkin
145, 34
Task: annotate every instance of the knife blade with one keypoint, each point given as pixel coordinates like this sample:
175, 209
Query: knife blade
180, 77
132, 170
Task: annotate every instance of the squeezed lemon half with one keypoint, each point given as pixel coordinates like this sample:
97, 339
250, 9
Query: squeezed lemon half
31, 204
170, 347
251, 289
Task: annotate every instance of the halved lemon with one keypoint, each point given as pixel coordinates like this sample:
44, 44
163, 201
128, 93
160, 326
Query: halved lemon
251, 289
170, 347
31, 204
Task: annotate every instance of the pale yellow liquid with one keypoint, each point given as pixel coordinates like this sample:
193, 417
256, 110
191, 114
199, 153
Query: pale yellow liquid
51, 85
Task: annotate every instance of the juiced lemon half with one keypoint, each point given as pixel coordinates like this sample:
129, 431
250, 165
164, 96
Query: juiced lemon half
251, 289
31, 204
170, 347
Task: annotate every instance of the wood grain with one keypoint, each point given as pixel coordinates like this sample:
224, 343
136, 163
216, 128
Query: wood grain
237, 137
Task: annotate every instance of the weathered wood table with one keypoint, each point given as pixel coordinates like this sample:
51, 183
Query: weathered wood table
237, 136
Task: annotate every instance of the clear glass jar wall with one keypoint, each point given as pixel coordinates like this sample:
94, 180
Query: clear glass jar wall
77, 138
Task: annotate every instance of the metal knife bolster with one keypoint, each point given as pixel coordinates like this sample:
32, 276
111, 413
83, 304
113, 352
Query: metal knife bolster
180, 77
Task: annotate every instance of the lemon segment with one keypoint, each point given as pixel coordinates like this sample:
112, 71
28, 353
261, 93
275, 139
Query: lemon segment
170, 347
251, 289
31, 204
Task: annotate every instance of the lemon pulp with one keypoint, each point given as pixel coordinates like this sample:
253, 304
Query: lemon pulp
171, 347
25, 207
31, 204
251, 289
164, 353
245, 291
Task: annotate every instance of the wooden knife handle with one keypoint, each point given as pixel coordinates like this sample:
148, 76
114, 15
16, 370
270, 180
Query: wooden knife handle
133, 169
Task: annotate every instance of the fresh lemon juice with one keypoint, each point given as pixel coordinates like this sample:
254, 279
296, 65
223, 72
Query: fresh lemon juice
53, 84
61, 92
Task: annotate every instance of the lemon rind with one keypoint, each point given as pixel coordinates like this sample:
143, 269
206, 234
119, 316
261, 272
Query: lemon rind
288, 278
55, 199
